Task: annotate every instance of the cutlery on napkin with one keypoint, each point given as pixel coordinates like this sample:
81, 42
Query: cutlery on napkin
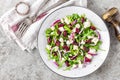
10, 20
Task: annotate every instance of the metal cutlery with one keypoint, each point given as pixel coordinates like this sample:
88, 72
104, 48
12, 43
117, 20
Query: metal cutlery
23, 26
27, 22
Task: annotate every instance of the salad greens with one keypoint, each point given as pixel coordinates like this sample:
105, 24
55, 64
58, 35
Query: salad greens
72, 41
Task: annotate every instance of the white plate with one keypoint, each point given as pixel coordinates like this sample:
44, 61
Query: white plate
97, 60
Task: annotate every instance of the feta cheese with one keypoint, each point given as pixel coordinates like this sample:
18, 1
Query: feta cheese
68, 42
93, 51
74, 30
89, 56
62, 20
67, 21
95, 40
56, 48
70, 54
77, 25
75, 37
48, 47
61, 40
53, 60
90, 37
81, 47
74, 66
52, 33
86, 24
82, 42
80, 64
62, 43
63, 59
61, 29
71, 41
52, 28
75, 47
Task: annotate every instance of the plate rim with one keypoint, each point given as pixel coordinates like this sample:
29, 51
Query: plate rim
63, 8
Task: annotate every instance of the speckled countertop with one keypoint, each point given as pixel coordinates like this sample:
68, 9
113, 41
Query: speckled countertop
18, 65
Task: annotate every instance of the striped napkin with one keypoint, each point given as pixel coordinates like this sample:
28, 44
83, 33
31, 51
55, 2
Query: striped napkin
10, 20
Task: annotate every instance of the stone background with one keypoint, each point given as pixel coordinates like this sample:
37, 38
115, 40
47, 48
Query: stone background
18, 65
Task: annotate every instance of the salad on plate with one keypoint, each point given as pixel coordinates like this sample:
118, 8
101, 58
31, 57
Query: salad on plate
72, 41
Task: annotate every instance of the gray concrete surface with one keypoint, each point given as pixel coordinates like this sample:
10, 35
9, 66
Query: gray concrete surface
18, 65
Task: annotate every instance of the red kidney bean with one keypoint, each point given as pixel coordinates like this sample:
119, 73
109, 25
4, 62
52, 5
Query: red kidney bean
57, 43
67, 63
93, 27
77, 30
65, 33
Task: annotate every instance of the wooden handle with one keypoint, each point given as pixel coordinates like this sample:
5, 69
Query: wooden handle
117, 28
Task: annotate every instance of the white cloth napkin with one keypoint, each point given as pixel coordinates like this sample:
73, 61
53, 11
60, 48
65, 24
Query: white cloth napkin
9, 21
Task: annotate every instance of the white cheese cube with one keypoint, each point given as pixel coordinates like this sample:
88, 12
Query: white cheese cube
81, 46
75, 37
90, 37
52, 33
56, 48
63, 59
61, 40
67, 21
61, 29
71, 41
95, 40
89, 56
62, 20
75, 47
77, 25
53, 60
68, 42
70, 54
82, 42
74, 66
74, 30
80, 64
48, 47
52, 28
93, 51
86, 24
62, 43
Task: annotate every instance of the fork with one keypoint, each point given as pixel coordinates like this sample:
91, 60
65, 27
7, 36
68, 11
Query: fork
23, 26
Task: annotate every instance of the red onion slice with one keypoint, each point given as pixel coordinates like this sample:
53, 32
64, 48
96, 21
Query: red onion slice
61, 25
99, 37
93, 54
56, 64
87, 60
72, 36
57, 21
73, 23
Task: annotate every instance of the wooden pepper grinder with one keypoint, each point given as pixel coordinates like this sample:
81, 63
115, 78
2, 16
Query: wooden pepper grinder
109, 16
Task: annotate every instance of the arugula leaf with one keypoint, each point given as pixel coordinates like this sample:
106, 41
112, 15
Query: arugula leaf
71, 47
67, 29
48, 31
68, 68
75, 16
97, 46
48, 51
87, 32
